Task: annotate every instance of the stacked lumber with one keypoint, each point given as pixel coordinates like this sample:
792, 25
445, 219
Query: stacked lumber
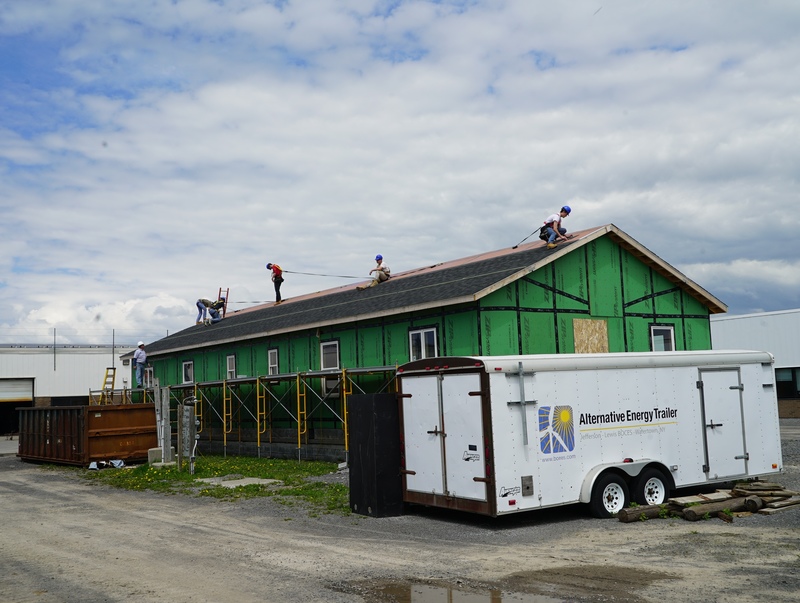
744, 499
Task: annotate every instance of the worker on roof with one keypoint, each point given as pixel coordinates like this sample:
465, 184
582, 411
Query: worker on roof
277, 280
203, 306
552, 229
380, 273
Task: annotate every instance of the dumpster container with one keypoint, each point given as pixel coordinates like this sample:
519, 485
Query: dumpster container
80, 435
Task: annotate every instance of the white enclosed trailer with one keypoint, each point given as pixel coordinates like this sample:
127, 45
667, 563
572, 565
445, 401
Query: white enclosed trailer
506, 434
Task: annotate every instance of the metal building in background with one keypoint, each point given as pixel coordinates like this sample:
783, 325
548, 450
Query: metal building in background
57, 375
774, 332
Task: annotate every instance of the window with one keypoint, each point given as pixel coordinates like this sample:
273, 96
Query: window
272, 361
329, 359
231, 372
662, 338
188, 372
422, 344
149, 380
787, 382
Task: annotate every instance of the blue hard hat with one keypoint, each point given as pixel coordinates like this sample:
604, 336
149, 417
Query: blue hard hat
269, 266
378, 257
567, 209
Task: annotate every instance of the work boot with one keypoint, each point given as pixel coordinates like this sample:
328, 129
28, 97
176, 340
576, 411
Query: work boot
552, 245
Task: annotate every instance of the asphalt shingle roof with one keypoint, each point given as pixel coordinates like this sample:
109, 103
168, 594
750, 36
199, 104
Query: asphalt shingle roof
444, 284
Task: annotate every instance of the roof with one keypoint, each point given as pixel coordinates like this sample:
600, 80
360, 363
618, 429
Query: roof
459, 281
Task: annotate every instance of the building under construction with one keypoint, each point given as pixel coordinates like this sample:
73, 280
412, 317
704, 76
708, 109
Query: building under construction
274, 380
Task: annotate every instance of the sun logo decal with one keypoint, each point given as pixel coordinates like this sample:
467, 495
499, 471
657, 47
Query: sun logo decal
556, 429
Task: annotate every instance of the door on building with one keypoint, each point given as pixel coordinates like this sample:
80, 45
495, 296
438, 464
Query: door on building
13, 394
724, 423
443, 436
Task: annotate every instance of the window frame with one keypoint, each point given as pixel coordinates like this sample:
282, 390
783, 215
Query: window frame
230, 373
273, 365
421, 332
330, 385
190, 365
653, 336
149, 376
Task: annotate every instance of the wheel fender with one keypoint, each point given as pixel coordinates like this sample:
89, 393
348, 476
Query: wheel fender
631, 469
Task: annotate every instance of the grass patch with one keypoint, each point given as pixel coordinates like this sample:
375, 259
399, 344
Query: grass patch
295, 481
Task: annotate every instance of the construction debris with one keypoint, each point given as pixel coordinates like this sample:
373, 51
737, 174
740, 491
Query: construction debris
743, 499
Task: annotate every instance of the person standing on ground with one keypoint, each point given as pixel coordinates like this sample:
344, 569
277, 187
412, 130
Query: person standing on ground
380, 273
139, 362
553, 229
277, 280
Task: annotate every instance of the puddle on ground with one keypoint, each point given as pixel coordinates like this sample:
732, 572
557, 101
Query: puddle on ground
423, 593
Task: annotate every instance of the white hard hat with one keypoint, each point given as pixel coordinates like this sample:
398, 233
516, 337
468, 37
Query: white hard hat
140, 343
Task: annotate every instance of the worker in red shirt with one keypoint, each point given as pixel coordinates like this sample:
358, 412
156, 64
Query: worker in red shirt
277, 279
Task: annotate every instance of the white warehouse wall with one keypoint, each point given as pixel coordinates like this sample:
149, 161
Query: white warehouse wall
775, 332
70, 371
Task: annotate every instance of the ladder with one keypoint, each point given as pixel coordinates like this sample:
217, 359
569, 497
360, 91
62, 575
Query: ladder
107, 396
226, 294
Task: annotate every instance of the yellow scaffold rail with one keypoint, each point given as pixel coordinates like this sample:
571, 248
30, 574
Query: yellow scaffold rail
261, 410
198, 408
302, 427
347, 390
227, 411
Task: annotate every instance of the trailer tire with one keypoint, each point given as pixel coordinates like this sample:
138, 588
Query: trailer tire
650, 488
609, 496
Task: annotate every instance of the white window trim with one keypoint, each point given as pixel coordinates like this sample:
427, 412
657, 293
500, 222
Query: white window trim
329, 384
421, 333
669, 328
270, 365
231, 367
149, 378
190, 365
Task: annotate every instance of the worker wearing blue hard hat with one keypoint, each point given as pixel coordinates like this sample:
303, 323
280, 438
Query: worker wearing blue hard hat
379, 274
552, 229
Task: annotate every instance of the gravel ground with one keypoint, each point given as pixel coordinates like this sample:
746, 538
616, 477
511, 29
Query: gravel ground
65, 539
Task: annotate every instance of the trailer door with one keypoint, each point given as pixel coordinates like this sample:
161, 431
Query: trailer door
422, 428
443, 435
463, 441
724, 425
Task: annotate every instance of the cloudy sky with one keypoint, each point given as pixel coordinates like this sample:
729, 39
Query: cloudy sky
152, 152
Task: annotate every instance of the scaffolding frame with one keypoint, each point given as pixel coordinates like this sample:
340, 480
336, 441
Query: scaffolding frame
301, 396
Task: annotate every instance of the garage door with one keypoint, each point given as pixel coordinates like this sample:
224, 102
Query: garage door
13, 393
16, 390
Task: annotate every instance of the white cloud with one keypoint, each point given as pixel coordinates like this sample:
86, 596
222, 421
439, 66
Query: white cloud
174, 150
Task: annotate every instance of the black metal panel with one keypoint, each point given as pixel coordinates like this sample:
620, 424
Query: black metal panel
376, 487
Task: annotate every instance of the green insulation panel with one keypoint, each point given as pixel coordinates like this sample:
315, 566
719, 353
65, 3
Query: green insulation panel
570, 279
370, 346
538, 333
534, 290
605, 284
499, 333
636, 283
395, 343
460, 336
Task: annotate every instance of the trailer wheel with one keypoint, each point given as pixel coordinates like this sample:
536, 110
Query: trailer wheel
609, 496
650, 488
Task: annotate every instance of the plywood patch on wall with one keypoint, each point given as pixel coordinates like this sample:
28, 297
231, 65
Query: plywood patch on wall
591, 336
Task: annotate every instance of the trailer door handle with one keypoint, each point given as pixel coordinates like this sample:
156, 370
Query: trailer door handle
436, 431
712, 425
